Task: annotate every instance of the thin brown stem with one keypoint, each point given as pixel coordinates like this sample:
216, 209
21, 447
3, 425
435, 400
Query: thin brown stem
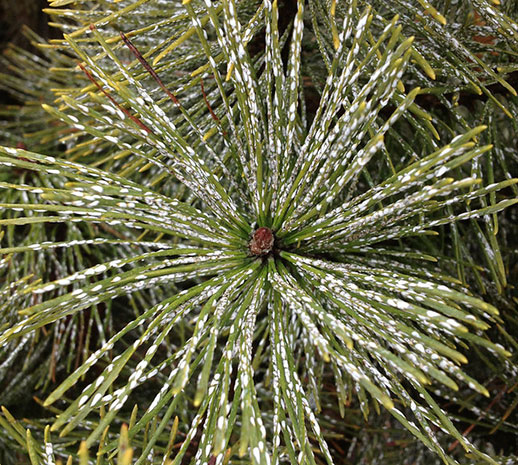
149, 69
107, 94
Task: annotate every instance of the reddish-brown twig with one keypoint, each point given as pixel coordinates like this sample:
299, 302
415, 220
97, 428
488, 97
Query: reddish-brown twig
454, 444
148, 68
107, 94
157, 79
214, 116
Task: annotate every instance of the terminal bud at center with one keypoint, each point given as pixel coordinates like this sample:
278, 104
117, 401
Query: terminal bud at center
262, 242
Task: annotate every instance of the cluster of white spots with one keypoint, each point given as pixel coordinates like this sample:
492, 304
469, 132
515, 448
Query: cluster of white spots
402, 341
49, 454
292, 393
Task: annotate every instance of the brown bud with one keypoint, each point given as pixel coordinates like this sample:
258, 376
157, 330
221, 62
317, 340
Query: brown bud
262, 242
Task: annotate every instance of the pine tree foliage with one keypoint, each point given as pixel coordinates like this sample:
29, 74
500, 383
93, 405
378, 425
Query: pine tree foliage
263, 212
